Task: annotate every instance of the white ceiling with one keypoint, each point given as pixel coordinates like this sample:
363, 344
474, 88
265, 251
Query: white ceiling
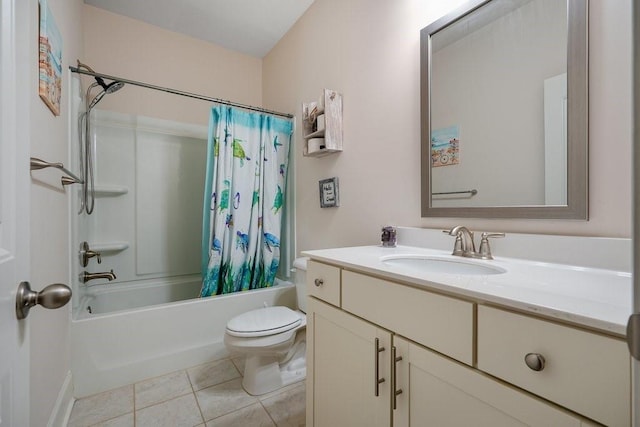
252, 27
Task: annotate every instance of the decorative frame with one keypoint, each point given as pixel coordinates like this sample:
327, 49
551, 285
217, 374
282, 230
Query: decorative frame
50, 60
329, 193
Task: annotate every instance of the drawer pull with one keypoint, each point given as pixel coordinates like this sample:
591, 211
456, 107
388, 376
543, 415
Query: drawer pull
394, 378
534, 361
378, 380
318, 282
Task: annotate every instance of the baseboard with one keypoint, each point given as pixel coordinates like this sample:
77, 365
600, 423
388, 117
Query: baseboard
64, 403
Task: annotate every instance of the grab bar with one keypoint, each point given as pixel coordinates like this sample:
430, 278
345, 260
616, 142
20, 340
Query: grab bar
472, 192
37, 164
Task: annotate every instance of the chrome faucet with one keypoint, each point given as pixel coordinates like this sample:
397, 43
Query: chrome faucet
465, 246
85, 276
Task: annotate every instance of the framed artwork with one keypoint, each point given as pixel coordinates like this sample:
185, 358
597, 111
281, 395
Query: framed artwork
445, 146
50, 60
329, 193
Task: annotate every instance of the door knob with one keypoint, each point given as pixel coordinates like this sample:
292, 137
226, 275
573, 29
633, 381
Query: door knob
53, 296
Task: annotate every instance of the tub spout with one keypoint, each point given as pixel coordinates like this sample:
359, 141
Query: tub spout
85, 276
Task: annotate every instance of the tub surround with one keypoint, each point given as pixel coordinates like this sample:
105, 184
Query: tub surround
589, 285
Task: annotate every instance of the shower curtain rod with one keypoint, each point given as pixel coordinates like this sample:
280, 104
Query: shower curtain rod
179, 92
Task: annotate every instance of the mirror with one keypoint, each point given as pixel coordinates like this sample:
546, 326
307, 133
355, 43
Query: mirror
504, 111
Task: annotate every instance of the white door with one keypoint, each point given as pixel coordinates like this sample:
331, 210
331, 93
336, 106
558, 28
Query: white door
635, 362
14, 208
555, 140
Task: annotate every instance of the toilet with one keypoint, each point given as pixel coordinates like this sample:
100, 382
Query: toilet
273, 339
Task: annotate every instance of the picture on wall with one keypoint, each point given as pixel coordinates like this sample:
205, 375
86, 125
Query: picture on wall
445, 146
50, 60
329, 193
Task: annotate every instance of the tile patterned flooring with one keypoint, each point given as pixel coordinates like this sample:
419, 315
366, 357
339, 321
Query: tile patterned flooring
208, 395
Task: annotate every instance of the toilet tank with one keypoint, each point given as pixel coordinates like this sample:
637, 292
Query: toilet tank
300, 280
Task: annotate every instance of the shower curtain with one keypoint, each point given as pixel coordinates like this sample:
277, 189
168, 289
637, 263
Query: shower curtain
247, 163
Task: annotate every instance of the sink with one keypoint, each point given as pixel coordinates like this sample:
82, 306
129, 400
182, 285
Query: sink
446, 265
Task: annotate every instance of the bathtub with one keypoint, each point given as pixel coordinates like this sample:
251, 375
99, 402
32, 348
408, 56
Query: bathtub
116, 341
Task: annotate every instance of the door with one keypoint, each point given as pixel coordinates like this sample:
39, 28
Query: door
341, 361
437, 391
634, 334
14, 208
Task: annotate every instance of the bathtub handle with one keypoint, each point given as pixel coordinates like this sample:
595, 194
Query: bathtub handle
86, 254
53, 296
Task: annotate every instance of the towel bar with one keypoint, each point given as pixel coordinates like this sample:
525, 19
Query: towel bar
37, 164
471, 192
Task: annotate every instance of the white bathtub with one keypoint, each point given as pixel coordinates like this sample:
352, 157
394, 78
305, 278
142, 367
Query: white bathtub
116, 345
108, 298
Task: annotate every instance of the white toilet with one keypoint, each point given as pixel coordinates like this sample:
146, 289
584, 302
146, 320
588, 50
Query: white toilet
273, 339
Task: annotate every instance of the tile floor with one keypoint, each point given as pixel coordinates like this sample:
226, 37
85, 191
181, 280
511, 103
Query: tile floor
208, 395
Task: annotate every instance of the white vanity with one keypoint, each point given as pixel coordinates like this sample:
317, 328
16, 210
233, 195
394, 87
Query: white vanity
396, 343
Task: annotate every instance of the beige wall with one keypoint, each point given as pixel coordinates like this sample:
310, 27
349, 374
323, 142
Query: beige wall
369, 51
127, 48
49, 219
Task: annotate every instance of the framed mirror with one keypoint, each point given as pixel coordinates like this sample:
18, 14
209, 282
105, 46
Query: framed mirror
504, 111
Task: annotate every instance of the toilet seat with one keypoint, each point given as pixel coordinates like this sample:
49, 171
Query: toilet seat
263, 322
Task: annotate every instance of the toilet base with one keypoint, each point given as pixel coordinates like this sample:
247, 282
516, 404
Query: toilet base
264, 374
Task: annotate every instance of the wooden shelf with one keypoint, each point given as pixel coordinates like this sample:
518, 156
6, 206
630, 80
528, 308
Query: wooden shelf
332, 132
316, 134
322, 153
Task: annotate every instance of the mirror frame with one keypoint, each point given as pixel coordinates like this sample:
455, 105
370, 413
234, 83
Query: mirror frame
577, 126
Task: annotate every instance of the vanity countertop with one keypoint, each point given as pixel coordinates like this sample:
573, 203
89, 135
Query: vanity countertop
595, 298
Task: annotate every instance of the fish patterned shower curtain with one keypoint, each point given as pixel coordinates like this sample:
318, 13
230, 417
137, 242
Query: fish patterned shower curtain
247, 163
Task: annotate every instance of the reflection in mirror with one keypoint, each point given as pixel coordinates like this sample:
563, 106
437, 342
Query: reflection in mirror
503, 133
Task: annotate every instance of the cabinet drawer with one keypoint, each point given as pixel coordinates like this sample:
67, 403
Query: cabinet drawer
441, 323
585, 372
323, 282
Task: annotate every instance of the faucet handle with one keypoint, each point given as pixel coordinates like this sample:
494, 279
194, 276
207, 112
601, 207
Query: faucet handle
485, 251
457, 246
86, 254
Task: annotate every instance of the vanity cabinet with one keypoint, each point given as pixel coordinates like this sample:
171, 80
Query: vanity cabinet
382, 353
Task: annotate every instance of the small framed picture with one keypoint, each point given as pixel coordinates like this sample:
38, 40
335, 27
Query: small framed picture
329, 193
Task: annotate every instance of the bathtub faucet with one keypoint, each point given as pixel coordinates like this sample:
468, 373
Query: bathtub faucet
85, 277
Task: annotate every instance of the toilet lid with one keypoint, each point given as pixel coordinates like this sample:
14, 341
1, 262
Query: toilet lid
263, 321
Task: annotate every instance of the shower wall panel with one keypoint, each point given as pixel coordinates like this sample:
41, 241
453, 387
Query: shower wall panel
170, 172
149, 186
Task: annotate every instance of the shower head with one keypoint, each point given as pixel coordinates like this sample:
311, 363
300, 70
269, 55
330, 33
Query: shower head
106, 89
111, 87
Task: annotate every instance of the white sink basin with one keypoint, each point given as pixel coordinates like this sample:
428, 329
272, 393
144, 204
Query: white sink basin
446, 265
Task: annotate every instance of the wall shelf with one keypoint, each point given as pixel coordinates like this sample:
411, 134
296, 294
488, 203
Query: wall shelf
109, 247
322, 119
110, 190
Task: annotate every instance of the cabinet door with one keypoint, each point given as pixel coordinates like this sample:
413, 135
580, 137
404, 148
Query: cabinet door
437, 391
341, 367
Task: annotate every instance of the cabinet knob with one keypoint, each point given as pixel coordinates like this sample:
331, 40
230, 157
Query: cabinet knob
534, 361
318, 282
